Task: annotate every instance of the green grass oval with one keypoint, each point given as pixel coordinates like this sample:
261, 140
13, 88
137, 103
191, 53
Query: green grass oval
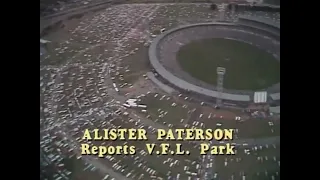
247, 67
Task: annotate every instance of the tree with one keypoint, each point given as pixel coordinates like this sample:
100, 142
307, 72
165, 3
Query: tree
213, 6
236, 7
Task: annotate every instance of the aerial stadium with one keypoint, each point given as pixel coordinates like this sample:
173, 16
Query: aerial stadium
248, 51
159, 65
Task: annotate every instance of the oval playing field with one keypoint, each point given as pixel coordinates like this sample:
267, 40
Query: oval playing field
247, 67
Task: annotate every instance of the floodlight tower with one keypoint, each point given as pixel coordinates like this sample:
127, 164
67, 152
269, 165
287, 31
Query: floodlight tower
233, 9
221, 9
220, 72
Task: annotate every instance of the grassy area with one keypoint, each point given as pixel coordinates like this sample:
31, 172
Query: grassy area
259, 164
80, 170
247, 67
250, 128
255, 128
211, 118
246, 129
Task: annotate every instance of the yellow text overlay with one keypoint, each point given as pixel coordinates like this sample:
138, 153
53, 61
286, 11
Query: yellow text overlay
202, 135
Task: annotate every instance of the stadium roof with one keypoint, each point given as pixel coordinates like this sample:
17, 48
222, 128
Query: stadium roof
275, 96
261, 20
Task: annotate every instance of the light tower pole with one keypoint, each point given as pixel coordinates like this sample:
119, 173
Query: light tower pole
233, 7
220, 72
221, 10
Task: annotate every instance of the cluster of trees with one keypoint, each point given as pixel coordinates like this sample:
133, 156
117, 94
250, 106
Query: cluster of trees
213, 6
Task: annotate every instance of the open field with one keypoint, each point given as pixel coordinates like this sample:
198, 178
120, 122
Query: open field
247, 67
261, 162
91, 54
